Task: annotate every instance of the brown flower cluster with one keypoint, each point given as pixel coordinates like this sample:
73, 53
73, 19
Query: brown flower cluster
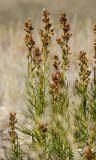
65, 36
37, 56
12, 122
65, 26
57, 80
28, 37
47, 30
37, 59
84, 71
30, 43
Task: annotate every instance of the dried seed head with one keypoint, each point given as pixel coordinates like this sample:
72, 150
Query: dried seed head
46, 18
64, 25
28, 26
47, 30
29, 41
37, 55
63, 19
28, 36
56, 85
64, 39
45, 12
84, 70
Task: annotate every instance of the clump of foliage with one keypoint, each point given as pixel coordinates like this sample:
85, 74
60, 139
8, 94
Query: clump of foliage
15, 151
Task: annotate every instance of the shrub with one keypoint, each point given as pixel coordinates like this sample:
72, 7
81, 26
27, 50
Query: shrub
48, 102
